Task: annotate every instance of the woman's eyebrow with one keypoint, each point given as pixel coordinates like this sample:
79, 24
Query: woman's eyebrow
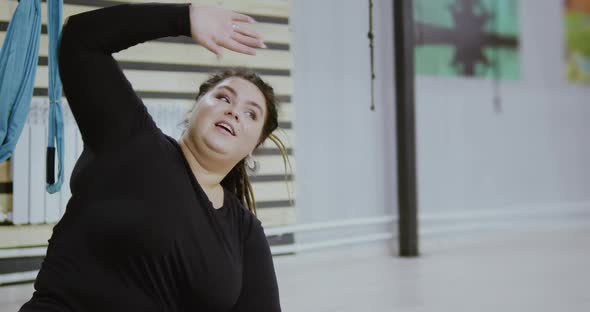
235, 94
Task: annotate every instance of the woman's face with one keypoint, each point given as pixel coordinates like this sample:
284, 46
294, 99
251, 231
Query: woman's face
227, 121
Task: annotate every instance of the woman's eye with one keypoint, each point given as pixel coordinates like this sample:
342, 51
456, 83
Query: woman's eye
223, 97
252, 114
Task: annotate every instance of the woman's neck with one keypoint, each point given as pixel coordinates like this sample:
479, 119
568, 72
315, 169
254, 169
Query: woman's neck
209, 178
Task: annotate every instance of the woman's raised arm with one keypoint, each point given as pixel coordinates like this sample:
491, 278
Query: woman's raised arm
107, 110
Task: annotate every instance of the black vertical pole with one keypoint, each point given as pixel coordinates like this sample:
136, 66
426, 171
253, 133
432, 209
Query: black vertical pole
403, 21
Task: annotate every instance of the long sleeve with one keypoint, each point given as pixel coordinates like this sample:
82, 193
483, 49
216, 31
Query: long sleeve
106, 108
260, 292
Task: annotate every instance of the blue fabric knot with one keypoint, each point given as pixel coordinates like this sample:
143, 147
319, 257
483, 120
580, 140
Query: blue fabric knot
55, 124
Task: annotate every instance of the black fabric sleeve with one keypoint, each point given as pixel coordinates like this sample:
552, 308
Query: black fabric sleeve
106, 108
260, 292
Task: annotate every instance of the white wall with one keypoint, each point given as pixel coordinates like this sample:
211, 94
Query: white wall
527, 163
344, 150
532, 156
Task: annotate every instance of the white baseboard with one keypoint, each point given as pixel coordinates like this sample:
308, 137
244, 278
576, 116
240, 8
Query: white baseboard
517, 217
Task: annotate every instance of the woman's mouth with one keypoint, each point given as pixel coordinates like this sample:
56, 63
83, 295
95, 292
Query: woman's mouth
224, 128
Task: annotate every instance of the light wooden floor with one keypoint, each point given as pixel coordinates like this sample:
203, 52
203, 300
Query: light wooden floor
542, 269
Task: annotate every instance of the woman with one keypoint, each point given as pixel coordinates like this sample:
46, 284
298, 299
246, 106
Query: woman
154, 224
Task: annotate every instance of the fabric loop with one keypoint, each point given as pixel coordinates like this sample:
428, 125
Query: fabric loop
18, 66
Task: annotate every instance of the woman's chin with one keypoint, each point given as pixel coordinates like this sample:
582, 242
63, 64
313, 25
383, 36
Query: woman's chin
219, 145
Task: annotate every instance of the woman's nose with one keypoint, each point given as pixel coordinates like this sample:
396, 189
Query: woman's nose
230, 112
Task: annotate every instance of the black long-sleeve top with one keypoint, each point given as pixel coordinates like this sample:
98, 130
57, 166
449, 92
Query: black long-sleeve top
139, 232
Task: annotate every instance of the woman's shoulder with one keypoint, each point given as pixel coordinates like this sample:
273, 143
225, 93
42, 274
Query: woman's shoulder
247, 221
145, 142
158, 147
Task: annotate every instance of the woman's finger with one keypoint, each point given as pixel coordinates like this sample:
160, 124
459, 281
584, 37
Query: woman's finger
210, 45
249, 41
242, 18
246, 31
234, 45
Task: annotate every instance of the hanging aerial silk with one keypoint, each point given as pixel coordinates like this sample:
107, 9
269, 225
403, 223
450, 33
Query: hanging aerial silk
18, 66
55, 122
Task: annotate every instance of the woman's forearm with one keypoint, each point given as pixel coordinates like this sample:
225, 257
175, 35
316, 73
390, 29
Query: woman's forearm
118, 27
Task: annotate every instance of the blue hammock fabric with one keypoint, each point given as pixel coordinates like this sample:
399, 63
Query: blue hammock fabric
18, 66
56, 123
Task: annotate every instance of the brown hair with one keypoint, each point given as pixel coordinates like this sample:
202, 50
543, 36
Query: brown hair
237, 180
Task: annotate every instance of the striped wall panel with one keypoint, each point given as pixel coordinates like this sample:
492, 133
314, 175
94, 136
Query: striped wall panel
166, 73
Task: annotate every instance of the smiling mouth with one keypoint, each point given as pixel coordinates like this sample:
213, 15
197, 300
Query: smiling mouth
224, 128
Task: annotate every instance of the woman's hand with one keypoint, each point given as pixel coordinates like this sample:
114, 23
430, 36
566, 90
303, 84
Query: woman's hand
217, 28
